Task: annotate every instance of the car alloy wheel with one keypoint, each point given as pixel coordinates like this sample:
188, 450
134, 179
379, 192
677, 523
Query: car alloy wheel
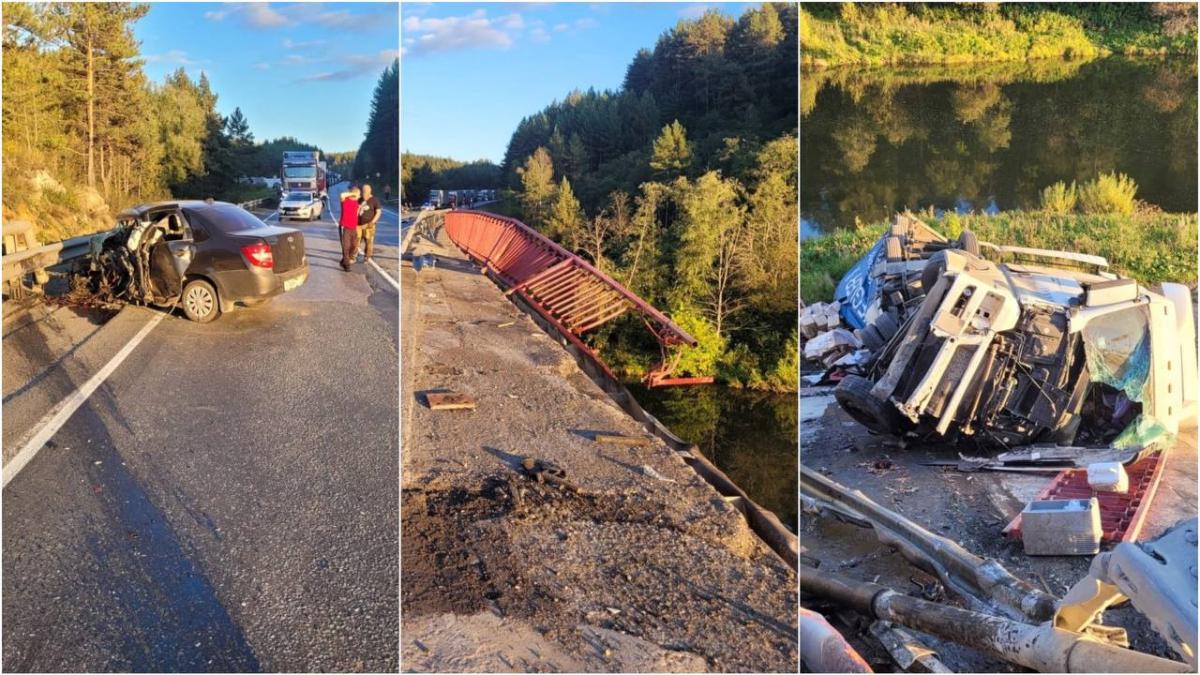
200, 301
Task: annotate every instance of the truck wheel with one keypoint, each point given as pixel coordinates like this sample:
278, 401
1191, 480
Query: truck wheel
200, 301
887, 326
935, 267
853, 393
871, 338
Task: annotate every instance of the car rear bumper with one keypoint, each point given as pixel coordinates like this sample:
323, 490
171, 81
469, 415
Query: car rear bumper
257, 284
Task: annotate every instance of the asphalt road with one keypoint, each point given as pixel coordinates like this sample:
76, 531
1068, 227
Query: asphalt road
227, 500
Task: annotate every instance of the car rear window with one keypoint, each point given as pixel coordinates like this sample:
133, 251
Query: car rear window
224, 217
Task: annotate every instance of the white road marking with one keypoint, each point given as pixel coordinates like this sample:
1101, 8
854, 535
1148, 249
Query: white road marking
395, 284
58, 416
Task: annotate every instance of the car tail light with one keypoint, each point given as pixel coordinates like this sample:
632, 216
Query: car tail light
259, 254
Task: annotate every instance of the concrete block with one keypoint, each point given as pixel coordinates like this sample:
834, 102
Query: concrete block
1108, 477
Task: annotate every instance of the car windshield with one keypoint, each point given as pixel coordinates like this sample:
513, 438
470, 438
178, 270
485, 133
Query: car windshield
300, 171
299, 196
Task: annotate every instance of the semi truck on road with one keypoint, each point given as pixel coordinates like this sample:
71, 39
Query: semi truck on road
304, 171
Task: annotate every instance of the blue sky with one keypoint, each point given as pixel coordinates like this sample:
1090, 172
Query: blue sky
306, 70
471, 71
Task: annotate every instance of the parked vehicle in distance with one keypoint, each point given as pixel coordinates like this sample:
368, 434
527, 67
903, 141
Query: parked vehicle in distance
206, 256
300, 205
303, 170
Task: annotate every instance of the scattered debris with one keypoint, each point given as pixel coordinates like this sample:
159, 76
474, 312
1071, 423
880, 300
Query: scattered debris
506, 324
649, 471
1061, 527
545, 471
818, 318
1042, 647
1158, 576
1121, 515
1108, 477
830, 346
908, 651
617, 439
449, 400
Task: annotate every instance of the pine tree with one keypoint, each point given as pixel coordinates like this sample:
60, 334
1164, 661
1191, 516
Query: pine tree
565, 221
537, 187
671, 155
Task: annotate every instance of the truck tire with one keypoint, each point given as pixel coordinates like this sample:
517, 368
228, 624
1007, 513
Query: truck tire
200, 301
935, 267
967, 241
853, 394
871, 338
887, 326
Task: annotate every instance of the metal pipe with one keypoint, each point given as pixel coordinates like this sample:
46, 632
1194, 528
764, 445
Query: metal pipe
1041, 647
980, 580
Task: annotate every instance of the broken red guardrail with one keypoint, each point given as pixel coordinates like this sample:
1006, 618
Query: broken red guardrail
1121, 515
565, 289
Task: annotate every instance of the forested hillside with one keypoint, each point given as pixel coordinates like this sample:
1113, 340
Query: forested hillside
87, 134
422, 173
682, 184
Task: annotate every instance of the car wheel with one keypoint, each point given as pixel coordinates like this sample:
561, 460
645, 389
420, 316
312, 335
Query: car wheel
853, 393
200, 301
871, 338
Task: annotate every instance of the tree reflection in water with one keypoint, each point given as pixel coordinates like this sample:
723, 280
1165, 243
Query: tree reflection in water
879, 140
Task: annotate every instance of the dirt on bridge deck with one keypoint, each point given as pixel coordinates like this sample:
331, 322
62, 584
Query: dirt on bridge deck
638, 565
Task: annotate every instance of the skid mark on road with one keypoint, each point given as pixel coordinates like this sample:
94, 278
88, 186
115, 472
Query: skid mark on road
49, 425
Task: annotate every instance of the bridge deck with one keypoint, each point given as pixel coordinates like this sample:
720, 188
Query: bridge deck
644, 567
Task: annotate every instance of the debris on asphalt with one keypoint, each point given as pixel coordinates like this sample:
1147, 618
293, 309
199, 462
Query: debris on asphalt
618, 439
649, 471
449, 400
830, 346
909, 652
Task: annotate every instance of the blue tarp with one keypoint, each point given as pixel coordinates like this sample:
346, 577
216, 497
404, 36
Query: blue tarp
857, 288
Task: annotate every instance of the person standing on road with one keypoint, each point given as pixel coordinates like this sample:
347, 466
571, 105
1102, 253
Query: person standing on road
387, 193
368, 214
348, 227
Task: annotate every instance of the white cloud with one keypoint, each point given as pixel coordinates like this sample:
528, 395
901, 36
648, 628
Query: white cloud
268, 15
456, 33
173, 57
560, 28
539, 35
288, 43
585, 23
262, 66
355, 66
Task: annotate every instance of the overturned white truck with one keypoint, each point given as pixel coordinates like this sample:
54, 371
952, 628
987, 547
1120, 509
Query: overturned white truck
1013, 345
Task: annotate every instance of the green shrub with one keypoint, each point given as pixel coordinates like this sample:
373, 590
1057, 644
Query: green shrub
1109, 193
1060, 198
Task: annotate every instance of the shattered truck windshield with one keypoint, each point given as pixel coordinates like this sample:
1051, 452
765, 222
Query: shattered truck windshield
1117, 348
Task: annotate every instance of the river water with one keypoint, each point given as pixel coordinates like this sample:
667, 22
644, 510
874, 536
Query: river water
750, 435
988, 137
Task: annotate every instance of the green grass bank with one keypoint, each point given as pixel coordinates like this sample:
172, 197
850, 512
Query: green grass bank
1148, 245
931, 33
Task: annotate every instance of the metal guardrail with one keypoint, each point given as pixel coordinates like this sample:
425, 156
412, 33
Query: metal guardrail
37, 260
565, 289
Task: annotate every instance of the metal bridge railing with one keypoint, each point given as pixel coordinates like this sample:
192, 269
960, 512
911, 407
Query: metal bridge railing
565, 289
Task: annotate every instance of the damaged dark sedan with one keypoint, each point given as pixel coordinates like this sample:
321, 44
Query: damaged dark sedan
205, 256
